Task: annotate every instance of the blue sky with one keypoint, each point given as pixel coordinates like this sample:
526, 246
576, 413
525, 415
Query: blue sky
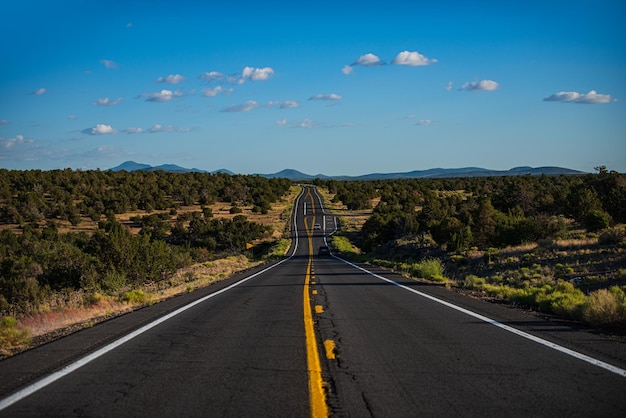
339, 88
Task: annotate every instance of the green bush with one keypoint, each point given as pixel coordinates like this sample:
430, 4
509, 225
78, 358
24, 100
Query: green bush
135, 297
430, 269
606, 307
342, 244
10, 335
612, 236
596, 220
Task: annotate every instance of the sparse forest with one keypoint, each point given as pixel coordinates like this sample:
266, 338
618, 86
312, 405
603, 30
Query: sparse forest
60, 232
552, 243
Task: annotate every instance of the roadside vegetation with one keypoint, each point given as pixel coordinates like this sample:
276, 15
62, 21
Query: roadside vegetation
554, 245
80, 246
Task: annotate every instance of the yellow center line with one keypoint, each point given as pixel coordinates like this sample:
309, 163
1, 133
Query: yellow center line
329, 346
317, 397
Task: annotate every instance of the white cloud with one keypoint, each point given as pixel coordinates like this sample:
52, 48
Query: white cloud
307, 124
160, 128
100, 129
211, 75
368, 60
483, 85
134, 130
39, 91
281, 122
450, 86
107, 102
287, 104
413, 59
256, 74
171, 79
243, 107
574, 97
72, 117
4, 122
424, 122
161, 96
10, 143
212, 92
347, 70
109, 64
331, 96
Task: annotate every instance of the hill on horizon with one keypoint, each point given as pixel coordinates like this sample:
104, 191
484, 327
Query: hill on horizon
296, 175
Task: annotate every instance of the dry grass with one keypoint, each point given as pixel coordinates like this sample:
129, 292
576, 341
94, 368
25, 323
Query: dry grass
50, 321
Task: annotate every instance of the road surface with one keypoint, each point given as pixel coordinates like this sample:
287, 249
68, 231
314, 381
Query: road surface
317, 336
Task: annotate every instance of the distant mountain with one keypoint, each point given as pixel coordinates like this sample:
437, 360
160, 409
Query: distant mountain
296, 175
223, 171
130, 166
431, 173
133, 166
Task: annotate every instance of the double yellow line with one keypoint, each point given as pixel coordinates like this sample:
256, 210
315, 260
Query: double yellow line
317, 396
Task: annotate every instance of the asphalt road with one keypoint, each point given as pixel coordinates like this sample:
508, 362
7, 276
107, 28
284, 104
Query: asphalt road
315, 336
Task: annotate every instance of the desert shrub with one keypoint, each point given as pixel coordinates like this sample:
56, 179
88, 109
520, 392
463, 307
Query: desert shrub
342, 244
606, 307
429, 268
10, 335
281, 247
613, 236
135, 297
596, 220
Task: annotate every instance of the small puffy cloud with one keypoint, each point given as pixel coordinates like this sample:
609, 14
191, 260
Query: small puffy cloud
112, 65
331, 96
413, 59
256, 74
450, 86
39, 91
307, 124
171, 79
424, 122
368, 60
107, 102
160, 128
281, 123
211, 75
161, 96
243, 107
347, 70
287, 104
248, 73
574, 97
72, 117
100, 129
134, 131
9, 143
4, 122
482, 85
212, 92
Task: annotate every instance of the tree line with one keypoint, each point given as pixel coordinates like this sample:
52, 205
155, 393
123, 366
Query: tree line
483, 212
39, 260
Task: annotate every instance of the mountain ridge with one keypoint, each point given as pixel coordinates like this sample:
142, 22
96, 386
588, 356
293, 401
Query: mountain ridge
295, 175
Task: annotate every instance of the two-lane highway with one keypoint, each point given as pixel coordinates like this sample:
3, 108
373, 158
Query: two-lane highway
317, 336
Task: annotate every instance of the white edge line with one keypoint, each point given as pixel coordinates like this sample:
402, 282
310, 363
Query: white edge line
42, 383
599, 363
